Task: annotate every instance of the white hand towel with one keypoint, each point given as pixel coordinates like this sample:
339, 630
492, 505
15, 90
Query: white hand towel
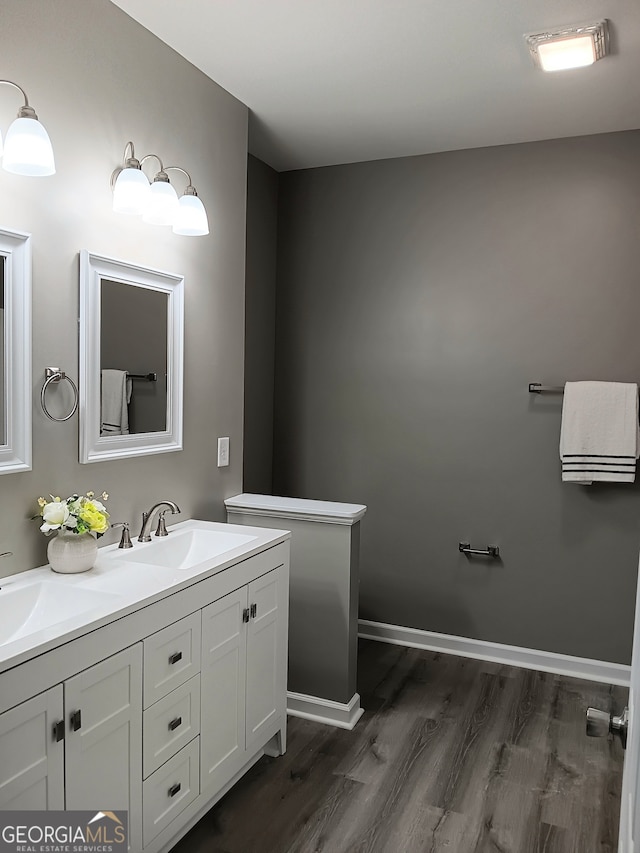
599, 437
116, 394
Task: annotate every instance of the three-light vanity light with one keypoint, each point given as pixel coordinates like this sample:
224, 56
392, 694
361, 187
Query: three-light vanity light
157, 201
27, 147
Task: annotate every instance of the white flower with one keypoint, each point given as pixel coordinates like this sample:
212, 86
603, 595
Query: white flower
55, 514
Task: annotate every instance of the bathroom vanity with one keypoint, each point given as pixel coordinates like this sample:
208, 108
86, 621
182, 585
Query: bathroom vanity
151, 683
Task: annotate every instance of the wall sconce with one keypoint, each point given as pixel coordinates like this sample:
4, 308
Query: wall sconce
569, 47
157, 202
27, 148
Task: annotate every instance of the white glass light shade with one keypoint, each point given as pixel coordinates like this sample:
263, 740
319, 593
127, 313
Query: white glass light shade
162, 205
131, 192
27, 149
191, 219
575, 52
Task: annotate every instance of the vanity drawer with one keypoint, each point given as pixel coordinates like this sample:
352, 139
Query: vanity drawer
171, 657
170, 724
169, 790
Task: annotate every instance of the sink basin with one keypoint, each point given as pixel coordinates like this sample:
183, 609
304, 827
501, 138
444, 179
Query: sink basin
183, 550
27, 609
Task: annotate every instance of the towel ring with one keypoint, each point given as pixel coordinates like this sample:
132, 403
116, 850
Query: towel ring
54, 374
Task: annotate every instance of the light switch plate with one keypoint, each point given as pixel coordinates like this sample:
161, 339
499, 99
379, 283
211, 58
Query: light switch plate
223, 452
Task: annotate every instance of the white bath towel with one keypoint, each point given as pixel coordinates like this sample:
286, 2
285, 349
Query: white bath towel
599, 437
116, 395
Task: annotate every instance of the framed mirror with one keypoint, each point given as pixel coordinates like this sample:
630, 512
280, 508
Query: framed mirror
131, 359
15, 351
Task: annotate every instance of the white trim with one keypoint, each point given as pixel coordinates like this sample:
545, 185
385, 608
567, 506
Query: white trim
96, 448
15, 409
325, 710
592, 670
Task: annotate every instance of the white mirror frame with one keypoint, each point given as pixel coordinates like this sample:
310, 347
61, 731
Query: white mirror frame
94, 447
15, 454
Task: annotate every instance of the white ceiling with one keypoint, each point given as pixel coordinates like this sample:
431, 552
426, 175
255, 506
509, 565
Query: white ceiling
338, 81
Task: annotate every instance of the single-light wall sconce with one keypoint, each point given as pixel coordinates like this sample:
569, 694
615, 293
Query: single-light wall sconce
569, 47
27, 148
157, 201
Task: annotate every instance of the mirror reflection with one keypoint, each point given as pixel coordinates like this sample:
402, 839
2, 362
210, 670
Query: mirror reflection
3, 358
133, 359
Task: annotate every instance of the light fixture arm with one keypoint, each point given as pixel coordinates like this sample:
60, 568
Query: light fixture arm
190, 190
148, 156
180, 169
27, 110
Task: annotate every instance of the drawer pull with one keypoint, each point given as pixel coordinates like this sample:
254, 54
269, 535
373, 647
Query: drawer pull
58, 731
175, 723
254, 610
173, 790
76, 721
174, 658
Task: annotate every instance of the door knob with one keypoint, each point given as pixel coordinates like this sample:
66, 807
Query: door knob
600, 723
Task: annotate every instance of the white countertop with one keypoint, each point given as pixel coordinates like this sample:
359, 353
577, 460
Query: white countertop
128, 586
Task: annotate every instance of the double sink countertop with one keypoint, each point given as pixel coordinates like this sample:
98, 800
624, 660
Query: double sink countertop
40, 610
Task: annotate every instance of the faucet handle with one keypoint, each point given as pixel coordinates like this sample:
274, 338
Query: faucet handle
161, 530
125, 539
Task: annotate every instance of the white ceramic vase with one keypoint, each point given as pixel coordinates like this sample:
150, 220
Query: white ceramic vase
71, 553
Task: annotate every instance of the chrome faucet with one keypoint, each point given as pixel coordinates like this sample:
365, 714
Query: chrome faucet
147, 518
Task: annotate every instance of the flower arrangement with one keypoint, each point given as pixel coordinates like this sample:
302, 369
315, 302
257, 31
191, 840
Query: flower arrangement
76, 514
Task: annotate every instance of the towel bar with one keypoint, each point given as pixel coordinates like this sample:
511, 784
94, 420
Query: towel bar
490, 551
537, 388
149, 377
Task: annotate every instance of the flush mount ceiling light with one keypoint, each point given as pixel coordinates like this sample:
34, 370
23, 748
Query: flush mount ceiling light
27, 148
157, 201
569, 47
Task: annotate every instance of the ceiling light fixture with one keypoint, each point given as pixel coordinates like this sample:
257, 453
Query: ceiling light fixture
27, 148
569, 47
157, 202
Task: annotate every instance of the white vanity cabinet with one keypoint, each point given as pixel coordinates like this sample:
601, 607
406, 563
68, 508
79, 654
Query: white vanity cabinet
79, 744
103, 743
31, 756
159, 711
243, 677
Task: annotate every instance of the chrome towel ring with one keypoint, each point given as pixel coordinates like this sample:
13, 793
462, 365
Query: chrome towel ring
54, 374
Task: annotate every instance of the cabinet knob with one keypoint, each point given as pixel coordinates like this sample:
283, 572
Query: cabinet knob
76, 720
254, 610
58, 731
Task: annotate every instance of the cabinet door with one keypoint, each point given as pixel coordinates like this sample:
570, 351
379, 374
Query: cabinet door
31, 757
104, 744
266, 678
222, 685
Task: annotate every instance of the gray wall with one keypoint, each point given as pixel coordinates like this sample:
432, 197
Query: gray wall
262, 223
97, 79
417, 298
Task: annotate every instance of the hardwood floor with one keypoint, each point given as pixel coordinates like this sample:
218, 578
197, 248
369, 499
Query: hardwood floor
452, 756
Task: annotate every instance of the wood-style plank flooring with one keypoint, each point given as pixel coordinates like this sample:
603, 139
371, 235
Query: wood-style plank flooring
452, 756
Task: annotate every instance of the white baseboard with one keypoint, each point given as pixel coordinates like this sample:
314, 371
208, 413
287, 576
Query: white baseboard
325, 710
593, 670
